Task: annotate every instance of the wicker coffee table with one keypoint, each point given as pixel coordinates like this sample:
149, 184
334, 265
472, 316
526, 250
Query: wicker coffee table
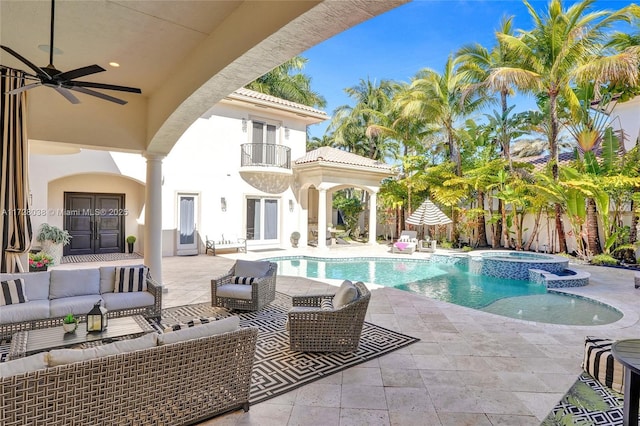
29, 342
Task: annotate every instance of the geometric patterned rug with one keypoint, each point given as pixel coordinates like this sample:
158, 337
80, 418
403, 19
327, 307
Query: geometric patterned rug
106, 257
276, 369
587, 403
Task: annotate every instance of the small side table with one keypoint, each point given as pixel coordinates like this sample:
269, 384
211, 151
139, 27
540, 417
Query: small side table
627, 352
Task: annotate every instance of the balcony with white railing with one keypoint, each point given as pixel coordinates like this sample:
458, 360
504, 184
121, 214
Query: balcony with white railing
265, 158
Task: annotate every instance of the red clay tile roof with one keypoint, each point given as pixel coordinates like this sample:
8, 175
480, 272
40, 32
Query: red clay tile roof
338, 156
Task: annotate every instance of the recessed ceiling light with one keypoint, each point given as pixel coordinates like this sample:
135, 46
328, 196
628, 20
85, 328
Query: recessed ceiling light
45, 48
114, 64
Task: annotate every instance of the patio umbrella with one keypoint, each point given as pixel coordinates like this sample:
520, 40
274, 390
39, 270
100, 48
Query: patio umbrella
428, 214
15, 223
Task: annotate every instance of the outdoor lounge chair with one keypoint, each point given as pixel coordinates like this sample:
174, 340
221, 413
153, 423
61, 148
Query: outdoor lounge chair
329, 322
407, 243
248, 286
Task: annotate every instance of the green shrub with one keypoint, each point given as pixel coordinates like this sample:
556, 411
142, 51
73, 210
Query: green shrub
604, 259
53, 233
467, 248
446, 245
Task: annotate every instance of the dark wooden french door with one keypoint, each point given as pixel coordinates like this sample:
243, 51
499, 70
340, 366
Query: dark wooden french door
95, 222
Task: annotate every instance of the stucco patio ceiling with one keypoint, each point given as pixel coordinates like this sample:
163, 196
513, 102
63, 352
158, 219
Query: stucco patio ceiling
184, 55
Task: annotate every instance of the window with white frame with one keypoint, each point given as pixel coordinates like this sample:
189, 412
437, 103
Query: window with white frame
262, 219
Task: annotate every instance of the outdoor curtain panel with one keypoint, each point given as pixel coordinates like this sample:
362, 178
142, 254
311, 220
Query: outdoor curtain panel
15, 224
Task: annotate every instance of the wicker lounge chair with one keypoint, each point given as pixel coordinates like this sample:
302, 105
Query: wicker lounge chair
316, 326
407, 243
248, 286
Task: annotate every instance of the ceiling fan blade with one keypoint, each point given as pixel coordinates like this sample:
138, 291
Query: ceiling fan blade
105, 86
23, 88
39, 71
79, 72
67, 94
97, 94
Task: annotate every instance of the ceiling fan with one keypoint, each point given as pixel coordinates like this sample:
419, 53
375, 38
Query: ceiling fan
64, 82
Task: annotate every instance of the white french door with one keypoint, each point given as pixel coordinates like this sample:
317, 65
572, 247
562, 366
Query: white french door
262, 219
187, 227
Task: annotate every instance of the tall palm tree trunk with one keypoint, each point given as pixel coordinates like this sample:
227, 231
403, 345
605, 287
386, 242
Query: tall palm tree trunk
482, 224
553, 146
633, 232
593, 239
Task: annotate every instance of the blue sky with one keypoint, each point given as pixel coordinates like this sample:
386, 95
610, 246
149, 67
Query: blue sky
420, 34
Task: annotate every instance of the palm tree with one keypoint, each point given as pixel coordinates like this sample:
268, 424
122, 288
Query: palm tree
565, 47
476, 65
356, 127
286, 83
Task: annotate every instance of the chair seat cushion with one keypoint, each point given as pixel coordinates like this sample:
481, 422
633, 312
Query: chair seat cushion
73, 305
234, 291
136, 299
32, 310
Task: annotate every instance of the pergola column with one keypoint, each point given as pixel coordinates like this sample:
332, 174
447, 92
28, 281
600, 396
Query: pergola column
373, 216
153, 216
322, 218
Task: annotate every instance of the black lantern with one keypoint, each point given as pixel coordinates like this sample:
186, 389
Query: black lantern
97, 318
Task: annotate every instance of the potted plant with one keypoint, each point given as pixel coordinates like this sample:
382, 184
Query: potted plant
69, 323
53, 240
130, 240
295, 236
39, 261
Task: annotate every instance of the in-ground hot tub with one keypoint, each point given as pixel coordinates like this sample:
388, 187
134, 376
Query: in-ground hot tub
514, 264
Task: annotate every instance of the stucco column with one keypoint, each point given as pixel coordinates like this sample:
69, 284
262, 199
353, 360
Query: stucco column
373, 216
153, 216
322, 218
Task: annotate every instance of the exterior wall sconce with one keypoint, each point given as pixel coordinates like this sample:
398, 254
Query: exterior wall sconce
286, 133
291, 206
244, 125
223, 204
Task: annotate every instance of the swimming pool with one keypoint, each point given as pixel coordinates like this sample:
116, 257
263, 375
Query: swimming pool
454, 283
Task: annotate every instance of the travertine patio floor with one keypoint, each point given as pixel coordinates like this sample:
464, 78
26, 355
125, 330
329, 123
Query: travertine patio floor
470, 367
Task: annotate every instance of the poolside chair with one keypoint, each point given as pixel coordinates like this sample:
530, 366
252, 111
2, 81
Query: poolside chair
427, 245
407, 242
329, 322
248, 286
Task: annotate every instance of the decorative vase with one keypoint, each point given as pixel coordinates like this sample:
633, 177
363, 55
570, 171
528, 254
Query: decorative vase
70, 327
54, 250
36, 269
130, 247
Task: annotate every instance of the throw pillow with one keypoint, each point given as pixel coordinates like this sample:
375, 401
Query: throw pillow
130, 279
243, 280
12, 292
251, 268
326, 305
346, 294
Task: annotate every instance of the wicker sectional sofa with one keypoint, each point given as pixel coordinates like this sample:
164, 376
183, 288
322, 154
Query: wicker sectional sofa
172, 382
55, 293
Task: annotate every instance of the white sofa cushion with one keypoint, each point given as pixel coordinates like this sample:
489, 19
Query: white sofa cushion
130, 279
12, 292
224, 325
76, 305
234, 291
23, 365
346, 294
68, 356
117, 301
251, 268
36, 283
74, 282
32, 310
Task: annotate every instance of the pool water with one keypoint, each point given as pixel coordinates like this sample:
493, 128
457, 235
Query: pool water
454, 284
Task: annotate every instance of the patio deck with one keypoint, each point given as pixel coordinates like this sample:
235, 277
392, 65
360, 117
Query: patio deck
470, 367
